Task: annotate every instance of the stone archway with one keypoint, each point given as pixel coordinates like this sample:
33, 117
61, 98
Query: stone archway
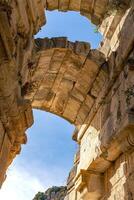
65, 78
108, 126
23, 19
90, 9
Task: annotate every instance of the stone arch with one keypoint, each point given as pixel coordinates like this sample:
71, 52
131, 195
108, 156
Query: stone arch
23, 19
65, 78
88, 8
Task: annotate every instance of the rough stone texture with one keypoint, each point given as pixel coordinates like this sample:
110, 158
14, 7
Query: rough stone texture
93, 89
62, 77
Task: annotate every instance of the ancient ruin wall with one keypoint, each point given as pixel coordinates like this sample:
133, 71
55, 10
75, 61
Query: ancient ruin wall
98, 89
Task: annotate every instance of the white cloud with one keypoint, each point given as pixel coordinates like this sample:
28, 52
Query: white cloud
20, 185
31, 172
23, 184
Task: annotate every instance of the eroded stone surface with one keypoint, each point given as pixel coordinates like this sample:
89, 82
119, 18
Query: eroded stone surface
62, 78
93, 89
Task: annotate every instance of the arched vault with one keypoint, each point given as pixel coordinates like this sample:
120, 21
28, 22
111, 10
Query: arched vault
89, 8
65, 78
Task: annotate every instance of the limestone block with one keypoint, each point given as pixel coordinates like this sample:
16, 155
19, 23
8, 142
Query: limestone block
74, 5
129, 91
89, 101
37, 104
118, 191
60, 42
6, 2
59, 102
97, 56
82, 114
130, 163
41, 94
87, 75
29, 116
96, 120
70, 180
86, 6
56, 61
105, 48
52, 5
82, 48
62, 95
114, 143
77, 94
100, 164
6, 81
107, 132
65, 85
99, 9
118, 110
61, 74
75, 61
55, 42
71, 74
72, 195
105, 113
117, 179
6, 35
3, 54
90, 185
44, 59
82, 129
98, 83
130, 182
2, 132
73, 69
89, 146
63, 5
32, 4
96, 104
41, 13
36, 14
72, 109
23, 25
49, 79
106, 24
125, 45
4, 156
38, 77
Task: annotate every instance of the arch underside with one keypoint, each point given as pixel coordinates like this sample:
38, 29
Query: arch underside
89, 8
65, 78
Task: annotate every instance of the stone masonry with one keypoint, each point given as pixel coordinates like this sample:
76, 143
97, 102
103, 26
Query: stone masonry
91, 88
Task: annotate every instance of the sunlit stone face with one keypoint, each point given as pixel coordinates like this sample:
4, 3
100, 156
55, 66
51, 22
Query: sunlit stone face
91, 88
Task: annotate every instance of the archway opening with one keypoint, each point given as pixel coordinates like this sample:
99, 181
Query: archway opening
45, 161
83, 36
72, 25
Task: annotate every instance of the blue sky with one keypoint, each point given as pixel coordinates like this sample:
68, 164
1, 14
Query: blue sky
47, 158
72, 25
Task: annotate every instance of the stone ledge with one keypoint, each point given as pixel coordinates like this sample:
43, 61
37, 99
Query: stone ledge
89, 184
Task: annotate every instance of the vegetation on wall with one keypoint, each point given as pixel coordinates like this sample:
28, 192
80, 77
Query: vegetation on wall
54, 193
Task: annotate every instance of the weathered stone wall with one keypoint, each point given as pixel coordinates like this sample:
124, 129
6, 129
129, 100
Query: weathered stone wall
119, 178
109, 135
63, 78
108, 131
17, 27
93, 89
